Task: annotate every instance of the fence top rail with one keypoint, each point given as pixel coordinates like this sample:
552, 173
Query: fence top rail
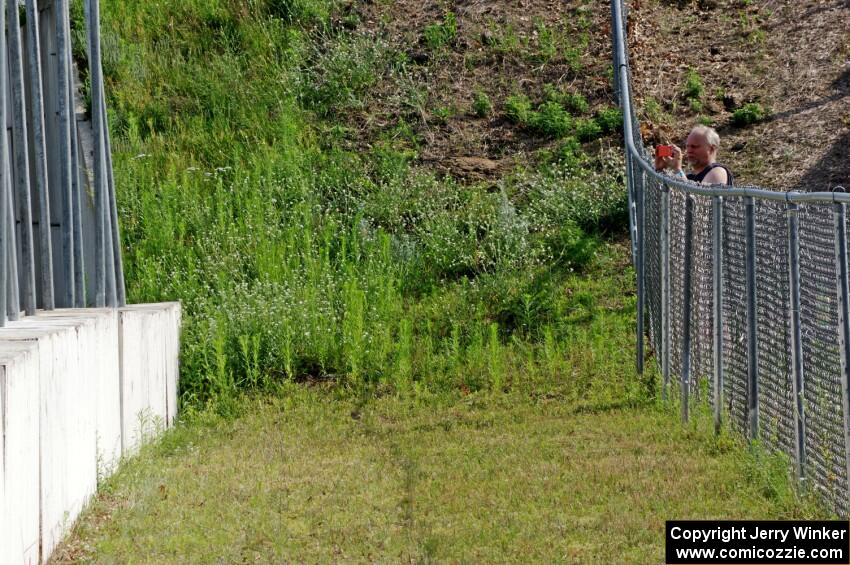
690, 187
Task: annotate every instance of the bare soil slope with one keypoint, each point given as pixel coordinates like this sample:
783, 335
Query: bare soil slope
500, 48
792, 57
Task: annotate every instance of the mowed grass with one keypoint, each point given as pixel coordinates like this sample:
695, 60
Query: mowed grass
303, 476
573, 459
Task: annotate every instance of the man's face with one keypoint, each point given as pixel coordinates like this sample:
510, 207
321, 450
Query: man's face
699, 152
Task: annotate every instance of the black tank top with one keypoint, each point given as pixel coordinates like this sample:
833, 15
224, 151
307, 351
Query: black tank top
697, 177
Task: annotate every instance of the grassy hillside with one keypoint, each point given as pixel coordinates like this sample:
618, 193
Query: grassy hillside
303, 250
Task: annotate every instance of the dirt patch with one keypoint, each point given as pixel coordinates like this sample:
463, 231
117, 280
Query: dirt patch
498, 49
791, 57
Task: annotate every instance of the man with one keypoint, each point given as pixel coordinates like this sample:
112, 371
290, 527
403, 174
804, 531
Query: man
701, 149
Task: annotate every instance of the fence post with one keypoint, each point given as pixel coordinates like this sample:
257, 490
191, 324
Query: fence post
19, 142
641, 282
686, 310
76, 204
752, 322
5, 174
797, 379
664, 238
843, 288
13, 294
40, 152
717, 291
65, 112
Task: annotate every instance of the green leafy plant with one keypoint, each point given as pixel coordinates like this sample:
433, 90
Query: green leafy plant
694, 88
569, 152
572, 101
748, 114
609, 119
481, 105
547, 43
518, 109
441, 34
575, 102
552, 120
587, 129
443, 113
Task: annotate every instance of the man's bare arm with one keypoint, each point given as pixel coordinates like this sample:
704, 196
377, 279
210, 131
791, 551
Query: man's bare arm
717, 175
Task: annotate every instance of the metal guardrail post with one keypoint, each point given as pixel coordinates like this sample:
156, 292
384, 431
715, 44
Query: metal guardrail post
843, 288
664, 238
76, 204
13, 295
752, 321
19, 131
686, 307
115, 234
797, 380
717, 292
100, 181
630, 191
641, 276
40, 152
65, 114
5, 180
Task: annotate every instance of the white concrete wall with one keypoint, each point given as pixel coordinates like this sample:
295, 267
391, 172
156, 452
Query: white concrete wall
72, 382
19, 504
149, 347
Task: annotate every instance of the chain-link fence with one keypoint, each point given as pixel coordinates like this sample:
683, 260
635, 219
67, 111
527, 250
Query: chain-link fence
746, 291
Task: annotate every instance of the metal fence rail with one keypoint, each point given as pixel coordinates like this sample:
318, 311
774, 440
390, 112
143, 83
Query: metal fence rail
747, 290
58, 215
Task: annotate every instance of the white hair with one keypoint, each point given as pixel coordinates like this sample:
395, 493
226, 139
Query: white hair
709, 134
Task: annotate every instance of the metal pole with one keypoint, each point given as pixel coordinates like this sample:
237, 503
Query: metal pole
630, 191
100, 188
117, 261
40, 151
797, 379
717, 290
686, 310
76, 195
65, 108
664, 238
13, 304
641, 280
843, 288
752, 322
22, 167
109, 255
5, 181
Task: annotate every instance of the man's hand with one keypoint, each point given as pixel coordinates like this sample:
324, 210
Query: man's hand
674, 162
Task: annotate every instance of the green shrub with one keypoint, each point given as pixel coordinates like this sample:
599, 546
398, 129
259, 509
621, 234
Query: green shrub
609, 119
441, 34
571, 101
518, 109
552, 120
569, 153
481, 104
695, 105
587, 130
694, 88
443, 113
575, 102
749, 114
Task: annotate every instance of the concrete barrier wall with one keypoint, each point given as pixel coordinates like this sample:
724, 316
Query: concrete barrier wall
78, 389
